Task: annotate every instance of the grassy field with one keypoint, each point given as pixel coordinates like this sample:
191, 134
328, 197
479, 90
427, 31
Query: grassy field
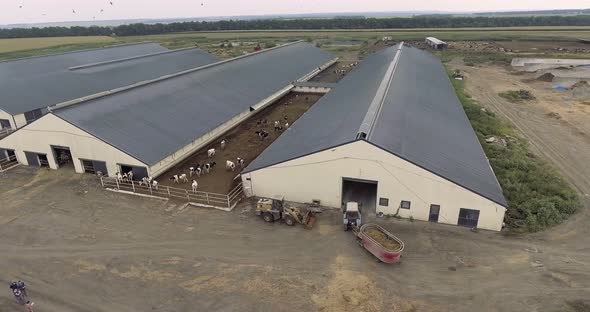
25, 47
12, 45
14, 48
450, 35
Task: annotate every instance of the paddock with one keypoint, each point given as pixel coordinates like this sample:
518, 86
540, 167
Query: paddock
242, 142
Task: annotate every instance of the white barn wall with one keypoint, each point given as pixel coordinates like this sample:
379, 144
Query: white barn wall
319, 176
50, 130
20, 120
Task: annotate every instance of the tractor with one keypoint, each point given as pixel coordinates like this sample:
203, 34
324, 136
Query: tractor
275, 209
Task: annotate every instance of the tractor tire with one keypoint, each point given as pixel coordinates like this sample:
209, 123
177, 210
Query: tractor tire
346, 228
268, 217
289, 221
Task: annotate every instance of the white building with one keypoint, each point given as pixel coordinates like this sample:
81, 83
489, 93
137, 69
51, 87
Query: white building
391, 135
435, 43
151, 126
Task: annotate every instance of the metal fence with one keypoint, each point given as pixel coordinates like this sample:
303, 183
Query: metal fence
6, 131
205, 199
9, 163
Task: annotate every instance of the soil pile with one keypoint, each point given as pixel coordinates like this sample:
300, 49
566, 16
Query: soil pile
383, 239
548, 77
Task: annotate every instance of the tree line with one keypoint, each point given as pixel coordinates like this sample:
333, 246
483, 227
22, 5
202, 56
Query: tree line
306, 24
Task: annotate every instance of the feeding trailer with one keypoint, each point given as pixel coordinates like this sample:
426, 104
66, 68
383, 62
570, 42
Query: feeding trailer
379, 242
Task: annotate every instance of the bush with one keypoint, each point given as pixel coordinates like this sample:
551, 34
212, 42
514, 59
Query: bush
517, 96
537, 195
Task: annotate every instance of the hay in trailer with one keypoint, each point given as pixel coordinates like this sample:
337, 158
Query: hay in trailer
383, 239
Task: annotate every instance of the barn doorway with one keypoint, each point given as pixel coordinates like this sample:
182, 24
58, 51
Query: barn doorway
63, 156
138, 172
36, 159
94, 167
363, 192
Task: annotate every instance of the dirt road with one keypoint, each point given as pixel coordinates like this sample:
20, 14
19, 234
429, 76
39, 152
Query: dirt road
81, 248
564, 141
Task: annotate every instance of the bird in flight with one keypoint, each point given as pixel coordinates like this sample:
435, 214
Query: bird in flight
74, 11
111, 2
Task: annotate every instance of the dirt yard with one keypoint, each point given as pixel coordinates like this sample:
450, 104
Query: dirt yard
80, 248
335, 72
242, 142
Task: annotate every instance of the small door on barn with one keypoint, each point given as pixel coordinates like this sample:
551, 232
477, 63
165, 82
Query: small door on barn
32, 159
434, 211
3, 154
468, 217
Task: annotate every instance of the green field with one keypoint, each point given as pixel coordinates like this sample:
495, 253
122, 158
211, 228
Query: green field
530, 34
14, 48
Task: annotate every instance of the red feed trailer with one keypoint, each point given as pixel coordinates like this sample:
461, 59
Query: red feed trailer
383, 254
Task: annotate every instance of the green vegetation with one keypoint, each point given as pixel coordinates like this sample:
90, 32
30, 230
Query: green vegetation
537, 196
441, 21
517, 96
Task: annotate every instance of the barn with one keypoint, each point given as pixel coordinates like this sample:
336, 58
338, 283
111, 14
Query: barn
392, 135
149, 127
28, 86
435, 43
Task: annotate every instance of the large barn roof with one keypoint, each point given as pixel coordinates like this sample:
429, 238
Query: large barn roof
153, 121
39, 82
404, 103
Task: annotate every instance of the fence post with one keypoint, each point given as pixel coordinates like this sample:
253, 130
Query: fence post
101, 181
188, 197
167, 187
117, 181
228, 202
133, 186
150, 187
207, 196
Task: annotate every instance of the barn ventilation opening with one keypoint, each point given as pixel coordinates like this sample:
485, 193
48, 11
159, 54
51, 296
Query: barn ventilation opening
363, 192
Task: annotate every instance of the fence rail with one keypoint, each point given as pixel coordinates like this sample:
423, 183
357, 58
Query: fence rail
206, 199
5, 132
9, 163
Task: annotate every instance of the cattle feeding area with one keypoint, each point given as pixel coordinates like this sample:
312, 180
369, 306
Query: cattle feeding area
246, 141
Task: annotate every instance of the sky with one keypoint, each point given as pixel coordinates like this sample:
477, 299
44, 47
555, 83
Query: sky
36, 11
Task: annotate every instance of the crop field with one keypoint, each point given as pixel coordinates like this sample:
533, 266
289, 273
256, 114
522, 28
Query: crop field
20, 44
23, 47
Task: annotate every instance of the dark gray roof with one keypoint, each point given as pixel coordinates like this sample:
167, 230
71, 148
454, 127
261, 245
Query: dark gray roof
421, 120
334, 119
154, 121
37, 89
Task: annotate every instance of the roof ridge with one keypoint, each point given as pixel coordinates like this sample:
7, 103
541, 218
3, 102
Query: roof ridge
374, 109
83, 66
159, 79
76, 51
